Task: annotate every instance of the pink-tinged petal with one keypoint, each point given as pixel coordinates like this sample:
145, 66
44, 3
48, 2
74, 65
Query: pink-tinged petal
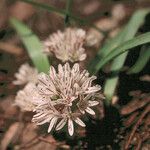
60, 69
82, 111
90, 111
80, 122
93, 89
43, 78
44, 121
52, 123
76, 88
52, 72
38, 113
61, 124
19, 76
87, 83
75, 68
34, 110
82, 57
93, 103
40, 116
67, 67
37, 120
70, 127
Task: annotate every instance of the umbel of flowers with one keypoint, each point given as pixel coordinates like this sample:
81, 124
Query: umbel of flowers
67, 45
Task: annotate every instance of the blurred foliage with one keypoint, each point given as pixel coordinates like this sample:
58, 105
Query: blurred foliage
32, 44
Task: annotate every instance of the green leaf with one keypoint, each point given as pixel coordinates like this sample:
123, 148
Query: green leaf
45, 6
126, 46
32, 44
105, 50
128, 33
141, 62
136, 20
68, 12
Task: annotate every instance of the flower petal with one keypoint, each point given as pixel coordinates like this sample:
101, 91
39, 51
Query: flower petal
82, 111
90, 111
61, 124
80, 122
40, 116
93, 89
52, 123
93, 103
52, 72
70, 127
82, 57
44, 121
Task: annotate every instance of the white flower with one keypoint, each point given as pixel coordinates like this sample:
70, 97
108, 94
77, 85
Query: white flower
65, 96
67, 45
28, 98
25, 75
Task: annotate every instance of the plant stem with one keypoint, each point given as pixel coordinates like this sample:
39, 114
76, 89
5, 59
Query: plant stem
68, 12
64, 13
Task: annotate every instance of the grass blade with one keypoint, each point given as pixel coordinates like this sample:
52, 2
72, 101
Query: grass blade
128, 33
105, 50
32, 44
126, 46
68, 12
46, 7
137, 19
141, 62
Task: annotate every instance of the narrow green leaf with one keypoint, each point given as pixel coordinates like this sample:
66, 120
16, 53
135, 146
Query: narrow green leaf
141, 62
126, 46
32, 44
132, 26
107, 48
128, 33
68, 12
45, 6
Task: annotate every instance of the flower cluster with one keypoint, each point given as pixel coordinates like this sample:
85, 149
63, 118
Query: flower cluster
67, 45
25, 75
65, 96
26, 98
